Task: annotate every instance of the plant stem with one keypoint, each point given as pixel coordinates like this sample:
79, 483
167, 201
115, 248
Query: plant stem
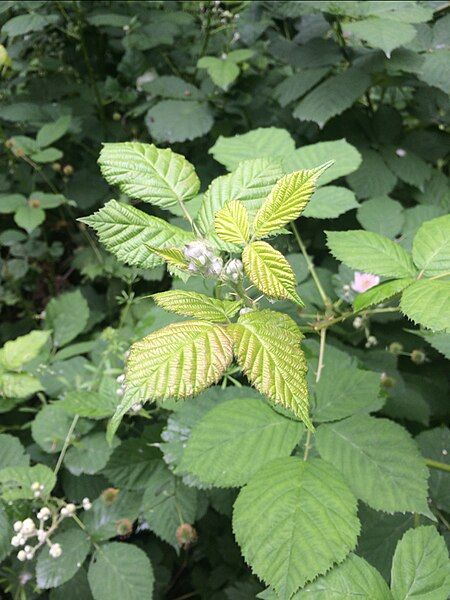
323, 337
66, 444
188, 217
311, 268
435, 464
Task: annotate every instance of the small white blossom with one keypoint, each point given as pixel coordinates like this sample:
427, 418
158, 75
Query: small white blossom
197, 250
68, 510
55, 550
17, 526
121, 378
28, 526
234, 269
44, 513
15, 541
357, 322
86, 504
22, 556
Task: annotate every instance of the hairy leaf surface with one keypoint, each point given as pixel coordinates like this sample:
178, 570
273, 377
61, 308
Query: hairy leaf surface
193, 304
428, 303
232, 224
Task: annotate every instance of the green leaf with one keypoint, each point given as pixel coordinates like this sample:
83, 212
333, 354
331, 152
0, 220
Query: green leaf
29, 217
88, 404
431, 247
352, 578
167, 503
23, 24
381, 293
179, 360
177, 121
67, 315
251, 183
53, 572
9, 203
267, 347
296, 85
15, 482
12, 453
434, 445
329, 202
17, 353
51, 426
51, 132
346, 159
127, 232
381, 33
235, 439
101, 520
333, 96
175, 88
264, 142
410, 168
270, 272
76, 588
289, 507
192, 304
373, 178
421, 568
132, 464
439, 341
381, 215
379, 461
345, 390
287, 200
121, 571
19, 385
436, 69
88, 455
371, 253
148, 173
47, 155
231, 223
223, 71
428, 303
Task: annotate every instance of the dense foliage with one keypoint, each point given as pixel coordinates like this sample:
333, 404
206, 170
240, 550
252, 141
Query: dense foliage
239, 388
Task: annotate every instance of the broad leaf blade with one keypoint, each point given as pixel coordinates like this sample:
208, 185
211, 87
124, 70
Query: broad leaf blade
231, 223
381, 293
428, 303
193, 304
431, 247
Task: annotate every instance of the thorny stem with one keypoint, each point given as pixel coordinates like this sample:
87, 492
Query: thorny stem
311, 268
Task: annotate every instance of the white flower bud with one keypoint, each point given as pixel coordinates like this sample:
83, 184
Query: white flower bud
15, 541
28, 526
22, 556
234, 269
136, 407
71, 508
120, 391
215, 267
55, 550
37, 494
192, 268
17, 526
245, 310
44, 514
41, 535
36, 486
86, 503
400, 152
121, 378
357, 322
371, 341
198, 250
28, 549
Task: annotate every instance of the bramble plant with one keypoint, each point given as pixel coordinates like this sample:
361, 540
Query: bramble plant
224, 344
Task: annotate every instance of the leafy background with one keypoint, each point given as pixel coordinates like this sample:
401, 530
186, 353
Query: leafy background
364, 83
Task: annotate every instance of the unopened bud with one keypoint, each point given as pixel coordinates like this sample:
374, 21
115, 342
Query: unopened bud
22, 556
55, 550
186, 535
387, 381
371, 341
68, 170
36, 486
396, 348
44, 514
234, 269
124, 527
418, 357
28, 526
56, 166
197, 250
109, 495
17, 526
245, 310
86, 504
116, 116
215, 267
357, 322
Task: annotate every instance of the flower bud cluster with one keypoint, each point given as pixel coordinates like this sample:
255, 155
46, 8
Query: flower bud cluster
27, 529
233, 270
202, 259
122, 387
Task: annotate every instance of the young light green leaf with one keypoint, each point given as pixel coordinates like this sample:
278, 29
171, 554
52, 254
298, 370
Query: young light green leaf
353, 578
23, 349
264, 142
267, 347
67, 315
179, 360
421, 568
431, 247
120, 571
371, 253
129, 233
379, 461
174, 257
148, 173
167, 503
223, 71
235, 439
51, 572
231, 223
428, 303
287, 508
19, 385
15, 482
270, 271
193, 304
28, 217
287, 200
381, 293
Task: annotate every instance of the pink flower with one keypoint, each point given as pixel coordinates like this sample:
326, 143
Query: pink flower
364, 281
